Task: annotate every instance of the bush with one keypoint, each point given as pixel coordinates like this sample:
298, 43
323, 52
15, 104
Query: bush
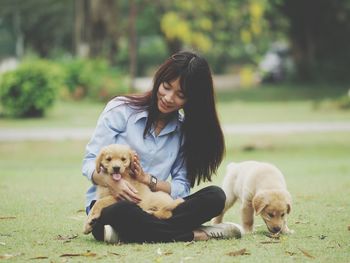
343, 103
31, 89
93, 79
80, 75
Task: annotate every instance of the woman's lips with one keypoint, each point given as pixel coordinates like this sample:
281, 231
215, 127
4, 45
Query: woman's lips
164, 106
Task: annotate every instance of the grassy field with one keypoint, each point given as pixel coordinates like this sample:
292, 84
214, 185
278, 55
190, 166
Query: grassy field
42, 191
42, 203
262, 104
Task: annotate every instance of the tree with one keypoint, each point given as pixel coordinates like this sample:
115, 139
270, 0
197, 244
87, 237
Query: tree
38, 24
319, 32
225, 31
97, 30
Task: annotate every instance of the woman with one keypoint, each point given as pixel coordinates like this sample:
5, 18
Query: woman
187, 147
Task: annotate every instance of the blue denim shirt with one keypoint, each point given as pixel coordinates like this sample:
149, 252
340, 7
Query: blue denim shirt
159, 155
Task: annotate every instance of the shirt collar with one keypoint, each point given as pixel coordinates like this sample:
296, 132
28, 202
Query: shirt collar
172, 126
140, 115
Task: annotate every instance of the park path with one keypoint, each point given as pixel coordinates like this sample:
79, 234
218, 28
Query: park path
60, 133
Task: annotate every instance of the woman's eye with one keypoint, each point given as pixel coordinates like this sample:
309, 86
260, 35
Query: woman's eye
181, 96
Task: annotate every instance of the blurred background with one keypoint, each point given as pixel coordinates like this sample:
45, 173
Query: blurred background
73, 50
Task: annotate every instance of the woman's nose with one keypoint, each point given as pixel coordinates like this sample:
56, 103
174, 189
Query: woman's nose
169, 97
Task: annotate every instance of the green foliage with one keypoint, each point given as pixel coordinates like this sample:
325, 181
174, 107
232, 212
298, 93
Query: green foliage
228, 33
152, 52
92, 78
319, 40
31, 89
45, 25
344, 102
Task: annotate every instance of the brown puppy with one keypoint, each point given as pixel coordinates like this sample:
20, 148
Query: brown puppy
116, 161
261, 188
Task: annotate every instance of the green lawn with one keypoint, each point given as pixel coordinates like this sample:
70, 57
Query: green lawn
42, 195
262, 104
290, 103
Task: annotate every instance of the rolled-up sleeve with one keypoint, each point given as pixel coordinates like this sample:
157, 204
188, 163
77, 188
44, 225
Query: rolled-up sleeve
180, 186
111, 123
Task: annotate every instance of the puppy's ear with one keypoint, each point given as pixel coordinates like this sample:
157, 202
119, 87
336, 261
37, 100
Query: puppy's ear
259, 203
132, 154
288, 201
99, 160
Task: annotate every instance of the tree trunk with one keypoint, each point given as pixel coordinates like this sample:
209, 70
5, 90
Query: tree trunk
104, 33
19, 34
132, 44
81, 45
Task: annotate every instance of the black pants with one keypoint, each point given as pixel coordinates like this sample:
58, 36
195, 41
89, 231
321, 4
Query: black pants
136, 226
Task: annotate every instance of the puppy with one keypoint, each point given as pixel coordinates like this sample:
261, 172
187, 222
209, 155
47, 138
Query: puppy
260, 187
116, 161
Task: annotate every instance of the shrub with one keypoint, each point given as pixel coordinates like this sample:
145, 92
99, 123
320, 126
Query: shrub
80, 76
31, 89
93, 79
343, 103
111, 83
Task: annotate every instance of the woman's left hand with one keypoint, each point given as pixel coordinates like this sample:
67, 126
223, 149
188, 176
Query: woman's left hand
140, 175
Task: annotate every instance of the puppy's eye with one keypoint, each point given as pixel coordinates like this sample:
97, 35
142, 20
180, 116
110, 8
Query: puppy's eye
282, 215
270, 215
123, 159
109, 159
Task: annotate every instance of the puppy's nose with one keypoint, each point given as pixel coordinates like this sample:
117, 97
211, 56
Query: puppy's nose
116, 169
276, 229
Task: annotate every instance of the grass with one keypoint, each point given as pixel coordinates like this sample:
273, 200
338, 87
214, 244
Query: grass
262, 104
291, 103
42, 194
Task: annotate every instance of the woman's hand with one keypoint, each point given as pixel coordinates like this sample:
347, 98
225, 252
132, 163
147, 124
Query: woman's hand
121, 189
140, 175
145, 178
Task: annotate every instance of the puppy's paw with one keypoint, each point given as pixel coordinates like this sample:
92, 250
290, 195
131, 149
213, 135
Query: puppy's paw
163, 214
248, 229
87, 228
89, 224
178, 201
288, 232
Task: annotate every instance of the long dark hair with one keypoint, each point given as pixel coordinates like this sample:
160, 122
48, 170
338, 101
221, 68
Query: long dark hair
204, 145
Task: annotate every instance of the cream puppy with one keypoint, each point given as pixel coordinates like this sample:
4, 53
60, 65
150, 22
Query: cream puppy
261, 188
115, 161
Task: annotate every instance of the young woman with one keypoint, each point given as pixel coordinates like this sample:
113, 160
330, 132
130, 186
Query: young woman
175, 132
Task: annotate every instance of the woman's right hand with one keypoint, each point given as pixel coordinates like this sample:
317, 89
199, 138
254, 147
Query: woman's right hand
120, 190
123, 190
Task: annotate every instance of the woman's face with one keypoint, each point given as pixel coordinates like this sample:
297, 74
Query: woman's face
170, 97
